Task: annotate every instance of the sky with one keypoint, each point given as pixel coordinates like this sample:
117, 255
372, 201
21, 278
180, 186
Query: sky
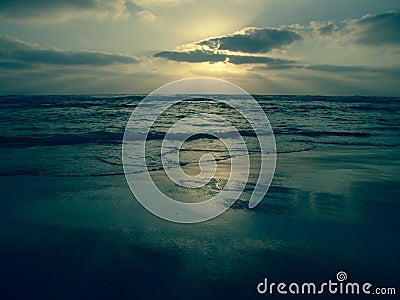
313, 47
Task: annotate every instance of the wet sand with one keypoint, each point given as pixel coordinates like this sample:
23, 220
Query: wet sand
88, 238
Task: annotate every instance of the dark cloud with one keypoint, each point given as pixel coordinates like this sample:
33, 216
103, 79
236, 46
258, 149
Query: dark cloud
16, 52
326, 29
381, 29
248, 59
13, 43
319, 68
7, 65
248, 41
336, 68
198, 56
195, 56
389, 71
253, 40
23, 6
370, 30
282, 66
59, 9
59, 57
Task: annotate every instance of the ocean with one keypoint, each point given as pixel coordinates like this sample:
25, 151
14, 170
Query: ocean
71, 228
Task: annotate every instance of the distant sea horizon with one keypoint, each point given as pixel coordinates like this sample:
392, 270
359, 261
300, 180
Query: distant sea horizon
145, 94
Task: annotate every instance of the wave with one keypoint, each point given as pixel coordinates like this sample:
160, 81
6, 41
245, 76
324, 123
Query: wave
61, 139
116, 138
311, 133
45, 174
349, 143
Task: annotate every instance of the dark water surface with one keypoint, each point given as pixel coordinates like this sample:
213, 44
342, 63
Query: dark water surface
71, 229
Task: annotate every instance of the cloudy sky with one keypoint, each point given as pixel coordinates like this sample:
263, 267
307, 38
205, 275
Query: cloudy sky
341, 47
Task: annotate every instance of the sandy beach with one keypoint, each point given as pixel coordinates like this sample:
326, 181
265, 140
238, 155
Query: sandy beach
74, 237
